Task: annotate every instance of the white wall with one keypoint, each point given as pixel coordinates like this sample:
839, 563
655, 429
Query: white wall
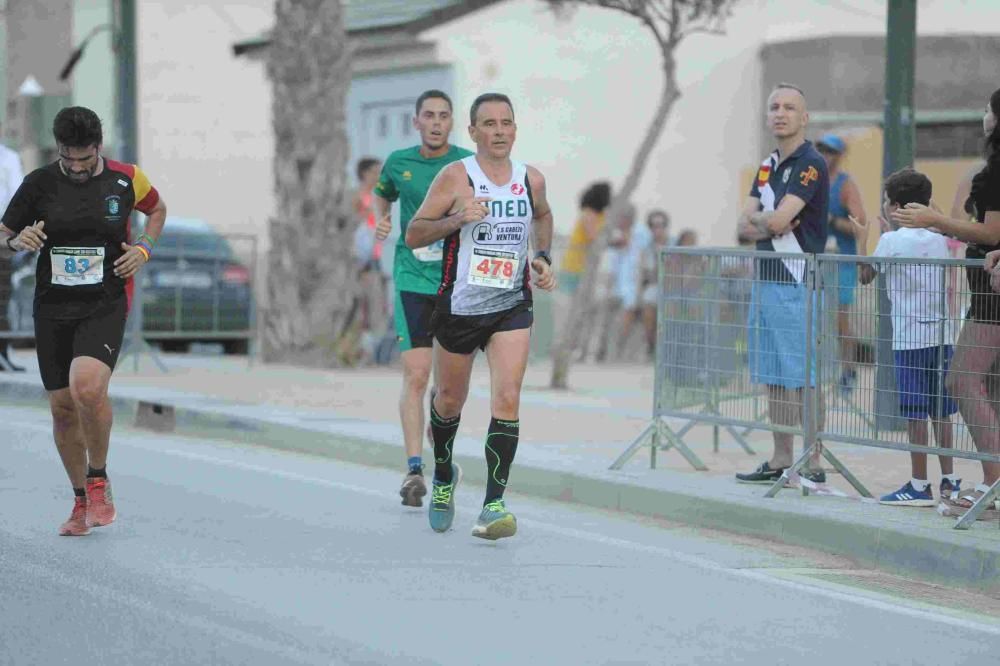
204, 128
584, 89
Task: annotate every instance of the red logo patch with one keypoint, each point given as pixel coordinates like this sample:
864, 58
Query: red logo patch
517, 188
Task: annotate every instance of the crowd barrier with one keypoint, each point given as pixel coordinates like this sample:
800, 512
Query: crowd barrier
713, 365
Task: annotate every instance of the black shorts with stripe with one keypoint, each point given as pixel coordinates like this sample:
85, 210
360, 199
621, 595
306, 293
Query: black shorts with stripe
462, 334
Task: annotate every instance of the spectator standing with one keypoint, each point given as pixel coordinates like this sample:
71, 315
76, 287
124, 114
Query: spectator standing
786, 212
921, 344
848, 226
11, 175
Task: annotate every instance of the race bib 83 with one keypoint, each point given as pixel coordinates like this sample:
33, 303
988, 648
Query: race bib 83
77, 266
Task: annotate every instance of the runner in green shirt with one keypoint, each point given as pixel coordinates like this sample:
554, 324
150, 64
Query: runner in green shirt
407, 175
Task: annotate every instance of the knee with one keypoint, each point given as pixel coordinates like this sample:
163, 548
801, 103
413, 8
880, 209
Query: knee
963, 384
415, 380
448, 402
506, 402
88, 395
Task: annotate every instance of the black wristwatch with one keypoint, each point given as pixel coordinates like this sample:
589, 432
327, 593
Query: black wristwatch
9, 246
542, 254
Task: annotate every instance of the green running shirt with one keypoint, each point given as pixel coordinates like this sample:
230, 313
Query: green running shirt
407, 175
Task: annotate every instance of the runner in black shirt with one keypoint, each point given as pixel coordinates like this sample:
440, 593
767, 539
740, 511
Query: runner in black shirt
75, 214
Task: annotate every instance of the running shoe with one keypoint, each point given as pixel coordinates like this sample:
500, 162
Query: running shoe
100, 506
909, 496
763, 474
413, 489
950, 490
495, 522
442, 510
76, 524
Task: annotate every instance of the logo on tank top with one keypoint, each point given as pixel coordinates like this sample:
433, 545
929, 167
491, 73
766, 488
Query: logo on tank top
483, 189
517, 189
498, 233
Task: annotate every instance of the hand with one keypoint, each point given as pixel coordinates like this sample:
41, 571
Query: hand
383, 227
883, 225
915, 216
857, 223
546, 279
471, 209
31, 238
129, 263
992, 259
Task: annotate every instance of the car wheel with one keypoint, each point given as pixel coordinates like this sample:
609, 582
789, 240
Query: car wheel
176, 346
238, 347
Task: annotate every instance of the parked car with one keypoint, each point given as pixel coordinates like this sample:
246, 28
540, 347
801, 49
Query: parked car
194, 289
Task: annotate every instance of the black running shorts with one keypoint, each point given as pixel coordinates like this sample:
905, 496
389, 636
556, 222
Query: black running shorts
59, 341
462, 334
412, 316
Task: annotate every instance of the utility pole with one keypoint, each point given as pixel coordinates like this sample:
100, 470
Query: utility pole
900, 68
899, 140
126, 112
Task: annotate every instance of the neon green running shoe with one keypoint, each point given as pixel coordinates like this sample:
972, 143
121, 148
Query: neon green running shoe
442, 510
495, 522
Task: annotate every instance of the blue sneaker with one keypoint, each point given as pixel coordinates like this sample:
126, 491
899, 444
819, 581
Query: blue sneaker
907, 496
950, 490
442, 511
495, 522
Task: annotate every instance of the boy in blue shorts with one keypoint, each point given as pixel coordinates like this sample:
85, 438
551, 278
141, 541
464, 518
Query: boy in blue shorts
921, 349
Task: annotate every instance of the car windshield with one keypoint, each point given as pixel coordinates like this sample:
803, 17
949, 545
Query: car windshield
198, 243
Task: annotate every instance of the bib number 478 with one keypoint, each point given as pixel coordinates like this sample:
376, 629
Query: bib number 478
496, 267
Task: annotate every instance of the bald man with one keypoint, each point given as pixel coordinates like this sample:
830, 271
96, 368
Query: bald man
786, 212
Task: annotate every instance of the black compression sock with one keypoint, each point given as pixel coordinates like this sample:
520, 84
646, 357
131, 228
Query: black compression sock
444, 439
97, 473
80, 492
501, 445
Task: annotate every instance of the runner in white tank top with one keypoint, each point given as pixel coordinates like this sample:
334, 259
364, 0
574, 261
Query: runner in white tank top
485, 264
484, 206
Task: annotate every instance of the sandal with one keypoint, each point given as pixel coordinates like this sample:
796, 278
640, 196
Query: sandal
958, 506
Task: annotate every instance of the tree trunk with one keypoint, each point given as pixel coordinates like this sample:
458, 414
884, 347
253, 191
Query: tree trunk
311, 279
573, 324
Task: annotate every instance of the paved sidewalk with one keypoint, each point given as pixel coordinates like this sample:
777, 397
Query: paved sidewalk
569, 438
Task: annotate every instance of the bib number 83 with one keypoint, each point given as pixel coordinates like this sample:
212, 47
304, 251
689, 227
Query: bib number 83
80, 265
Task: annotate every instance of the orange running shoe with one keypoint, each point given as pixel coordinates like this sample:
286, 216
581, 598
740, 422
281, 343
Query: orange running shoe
100, 507
76, 524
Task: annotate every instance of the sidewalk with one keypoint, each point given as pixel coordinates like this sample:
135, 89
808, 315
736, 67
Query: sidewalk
569, 438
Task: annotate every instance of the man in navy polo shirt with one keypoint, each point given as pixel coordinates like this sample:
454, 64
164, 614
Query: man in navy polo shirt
786, 212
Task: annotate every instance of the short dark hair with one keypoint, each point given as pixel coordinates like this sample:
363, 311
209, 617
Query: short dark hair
77, 127
432, 94
908, 186
364, 164
488, 97
597, 196
657, 212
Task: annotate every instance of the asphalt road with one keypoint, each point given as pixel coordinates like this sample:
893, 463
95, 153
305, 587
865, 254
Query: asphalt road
227, 554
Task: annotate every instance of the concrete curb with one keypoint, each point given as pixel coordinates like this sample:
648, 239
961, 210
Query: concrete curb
863, 533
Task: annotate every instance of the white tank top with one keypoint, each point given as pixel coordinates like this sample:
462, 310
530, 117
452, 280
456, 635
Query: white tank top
485, 264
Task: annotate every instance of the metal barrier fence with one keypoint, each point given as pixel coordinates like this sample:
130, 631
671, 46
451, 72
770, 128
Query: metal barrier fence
884, 356
197, 288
